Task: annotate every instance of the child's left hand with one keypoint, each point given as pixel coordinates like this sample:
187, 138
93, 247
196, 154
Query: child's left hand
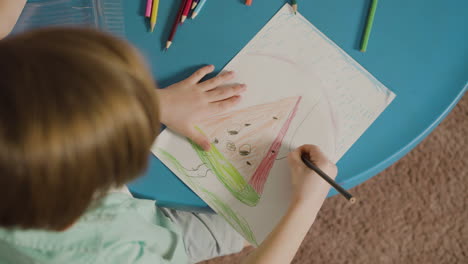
10, 11
184, 104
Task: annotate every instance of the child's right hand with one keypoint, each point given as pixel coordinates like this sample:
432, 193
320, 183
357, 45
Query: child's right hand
306, 182
310, 191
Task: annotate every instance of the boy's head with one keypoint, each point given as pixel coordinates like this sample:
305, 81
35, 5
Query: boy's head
78, 115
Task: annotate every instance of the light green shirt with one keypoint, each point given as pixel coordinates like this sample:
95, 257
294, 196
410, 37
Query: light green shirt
120, 230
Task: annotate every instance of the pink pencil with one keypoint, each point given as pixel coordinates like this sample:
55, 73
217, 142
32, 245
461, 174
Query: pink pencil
149, 6
188, 6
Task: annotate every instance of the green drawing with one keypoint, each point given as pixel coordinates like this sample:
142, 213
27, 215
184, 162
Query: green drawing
227, 174
235, 220
245, 145
176, 164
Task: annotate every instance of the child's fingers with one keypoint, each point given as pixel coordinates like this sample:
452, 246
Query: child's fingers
199, 139
216, 81
315, 154
199, 74
294, 157
225, 92
225, 104
319, 159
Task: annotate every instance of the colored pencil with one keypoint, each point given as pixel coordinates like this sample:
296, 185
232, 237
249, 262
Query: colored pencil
370, 22
294, 6
248, 2
199, 7
327, 178
149, 4
176, 24
154, 14
186, 11
195, 3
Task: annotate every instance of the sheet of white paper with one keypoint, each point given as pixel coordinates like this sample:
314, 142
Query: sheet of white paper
288, 58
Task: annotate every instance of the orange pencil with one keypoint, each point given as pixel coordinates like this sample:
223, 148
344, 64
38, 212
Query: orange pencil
248, 2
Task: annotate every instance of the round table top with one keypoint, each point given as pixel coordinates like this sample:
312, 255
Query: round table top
418, 50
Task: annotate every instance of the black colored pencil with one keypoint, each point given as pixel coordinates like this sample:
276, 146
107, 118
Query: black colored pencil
327, 178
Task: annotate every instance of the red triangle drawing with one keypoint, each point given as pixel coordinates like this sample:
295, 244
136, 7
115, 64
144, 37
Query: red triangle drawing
250, 138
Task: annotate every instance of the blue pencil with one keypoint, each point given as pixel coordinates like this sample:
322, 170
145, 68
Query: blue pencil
198, 8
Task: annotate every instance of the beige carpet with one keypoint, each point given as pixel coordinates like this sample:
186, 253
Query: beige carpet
416, 211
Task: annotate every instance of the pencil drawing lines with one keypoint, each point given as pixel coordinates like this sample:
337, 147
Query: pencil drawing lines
291, 139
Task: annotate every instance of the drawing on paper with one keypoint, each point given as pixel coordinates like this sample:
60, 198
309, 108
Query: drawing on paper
227, 174
307, 91
245, 144
235, 220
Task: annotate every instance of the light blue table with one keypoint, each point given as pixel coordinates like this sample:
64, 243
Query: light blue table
418, 48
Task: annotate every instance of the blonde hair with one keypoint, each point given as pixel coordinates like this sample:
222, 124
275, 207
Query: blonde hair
78, 115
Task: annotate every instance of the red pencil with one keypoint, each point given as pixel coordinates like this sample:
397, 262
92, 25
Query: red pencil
188, 6
176, 23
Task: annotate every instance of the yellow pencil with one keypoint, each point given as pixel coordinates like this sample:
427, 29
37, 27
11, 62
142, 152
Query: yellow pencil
154, 14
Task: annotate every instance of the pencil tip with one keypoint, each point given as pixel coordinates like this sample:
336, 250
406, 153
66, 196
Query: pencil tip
183, 19
194, 15
352, 200
168, 44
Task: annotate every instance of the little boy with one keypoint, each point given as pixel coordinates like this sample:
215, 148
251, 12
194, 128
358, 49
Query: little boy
78, 114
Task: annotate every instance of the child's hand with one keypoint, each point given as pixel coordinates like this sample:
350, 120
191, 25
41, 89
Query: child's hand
10, 10
306, 183
187, 102
309, 193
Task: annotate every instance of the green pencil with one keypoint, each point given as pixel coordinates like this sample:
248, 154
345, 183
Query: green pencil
370, 21
294, 6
